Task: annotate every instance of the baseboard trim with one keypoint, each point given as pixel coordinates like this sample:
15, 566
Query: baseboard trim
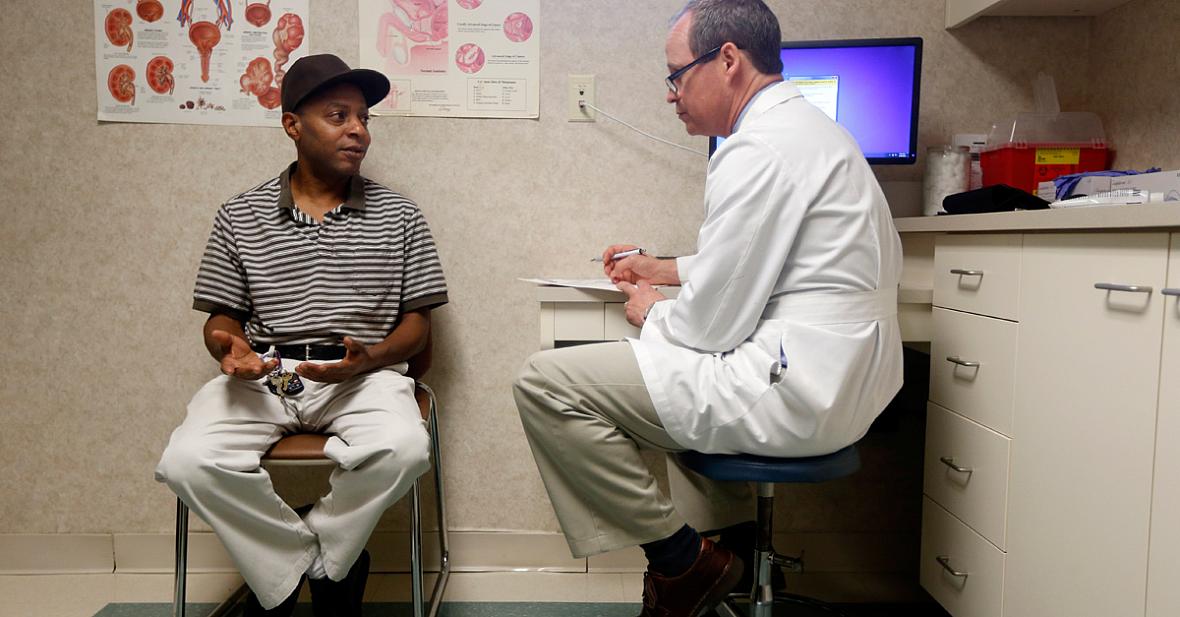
470, 551
57, 553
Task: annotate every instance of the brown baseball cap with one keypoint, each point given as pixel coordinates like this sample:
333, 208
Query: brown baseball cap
310, 74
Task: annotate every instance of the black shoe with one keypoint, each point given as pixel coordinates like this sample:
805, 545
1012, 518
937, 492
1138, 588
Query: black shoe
286, 609
341, 598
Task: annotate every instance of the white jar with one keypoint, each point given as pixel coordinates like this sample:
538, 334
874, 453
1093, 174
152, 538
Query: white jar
948, 171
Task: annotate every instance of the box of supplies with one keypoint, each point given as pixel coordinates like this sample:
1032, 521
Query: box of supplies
1163, 185
1089, 185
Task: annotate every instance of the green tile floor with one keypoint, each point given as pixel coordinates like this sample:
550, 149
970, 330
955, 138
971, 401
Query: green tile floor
530, 609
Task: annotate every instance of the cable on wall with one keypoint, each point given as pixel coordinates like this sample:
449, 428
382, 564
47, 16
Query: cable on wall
584, 104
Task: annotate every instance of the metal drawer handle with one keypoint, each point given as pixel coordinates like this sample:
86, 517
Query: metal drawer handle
1144, 289
962, 272
1170, 291
950, 462
945, 561
962, 362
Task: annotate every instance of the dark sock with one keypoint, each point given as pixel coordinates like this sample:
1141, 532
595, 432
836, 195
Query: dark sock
740, 537
675, 554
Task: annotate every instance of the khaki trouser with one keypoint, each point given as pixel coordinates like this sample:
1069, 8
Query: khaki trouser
379, 443
587, 413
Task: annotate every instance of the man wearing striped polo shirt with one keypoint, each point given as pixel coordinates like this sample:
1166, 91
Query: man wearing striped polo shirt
338, 274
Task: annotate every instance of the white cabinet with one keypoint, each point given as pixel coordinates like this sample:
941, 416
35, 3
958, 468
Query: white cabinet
1163, 570
966, 471
978, 274
972, 367
1057, 421
960, 12
1087, 374
959, 568
969, 421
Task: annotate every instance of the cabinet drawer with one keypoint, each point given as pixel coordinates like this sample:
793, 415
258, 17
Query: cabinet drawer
979, 497
979, 592
578, 321
972, 367
978, 274
615, 326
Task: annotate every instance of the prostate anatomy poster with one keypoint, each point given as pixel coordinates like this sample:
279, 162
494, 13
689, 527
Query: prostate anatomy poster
454, 58
196, 61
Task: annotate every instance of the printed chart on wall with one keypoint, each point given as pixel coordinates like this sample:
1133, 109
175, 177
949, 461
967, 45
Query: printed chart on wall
454, 58
195, 61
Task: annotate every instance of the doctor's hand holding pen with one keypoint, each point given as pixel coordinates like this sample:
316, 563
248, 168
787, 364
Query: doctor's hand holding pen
631, 264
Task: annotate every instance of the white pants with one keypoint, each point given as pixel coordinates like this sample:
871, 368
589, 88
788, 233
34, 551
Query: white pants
379, 443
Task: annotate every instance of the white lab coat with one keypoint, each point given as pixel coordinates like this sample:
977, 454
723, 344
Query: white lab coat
784, 339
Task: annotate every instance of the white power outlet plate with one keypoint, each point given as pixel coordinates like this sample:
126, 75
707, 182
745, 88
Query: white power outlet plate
581, 88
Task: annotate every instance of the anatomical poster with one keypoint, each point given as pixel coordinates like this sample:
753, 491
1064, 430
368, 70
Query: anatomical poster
196, 61
454, 58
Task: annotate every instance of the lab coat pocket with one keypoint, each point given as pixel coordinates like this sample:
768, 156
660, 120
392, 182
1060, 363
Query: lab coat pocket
744, 376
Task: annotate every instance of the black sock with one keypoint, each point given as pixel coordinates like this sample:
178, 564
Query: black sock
741, 537
675, 554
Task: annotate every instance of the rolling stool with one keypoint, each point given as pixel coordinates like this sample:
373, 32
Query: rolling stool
768, 471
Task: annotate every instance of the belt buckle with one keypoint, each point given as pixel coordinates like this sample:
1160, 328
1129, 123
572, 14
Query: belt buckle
306, 351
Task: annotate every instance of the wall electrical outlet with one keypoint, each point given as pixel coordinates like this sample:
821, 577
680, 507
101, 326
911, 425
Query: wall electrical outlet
581, 88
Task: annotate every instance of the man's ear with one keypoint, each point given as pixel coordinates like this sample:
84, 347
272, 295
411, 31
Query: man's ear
731, 56
291, 125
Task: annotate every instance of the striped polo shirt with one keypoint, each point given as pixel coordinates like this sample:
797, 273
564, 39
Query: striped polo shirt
290, 279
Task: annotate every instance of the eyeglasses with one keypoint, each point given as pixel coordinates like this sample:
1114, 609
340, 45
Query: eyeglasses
670, 80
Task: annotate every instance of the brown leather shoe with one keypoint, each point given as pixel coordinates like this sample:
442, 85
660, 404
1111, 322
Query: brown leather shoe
711, 577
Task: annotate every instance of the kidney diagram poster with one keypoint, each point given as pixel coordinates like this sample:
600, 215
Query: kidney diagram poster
454, 58
196, 61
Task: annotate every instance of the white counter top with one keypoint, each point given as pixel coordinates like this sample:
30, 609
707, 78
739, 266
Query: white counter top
548, 293
1145, 216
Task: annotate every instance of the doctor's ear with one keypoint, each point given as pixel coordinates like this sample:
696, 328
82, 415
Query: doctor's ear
730, 55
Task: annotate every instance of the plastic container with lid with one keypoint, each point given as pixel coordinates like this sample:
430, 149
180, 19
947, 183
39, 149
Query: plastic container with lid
1038, 147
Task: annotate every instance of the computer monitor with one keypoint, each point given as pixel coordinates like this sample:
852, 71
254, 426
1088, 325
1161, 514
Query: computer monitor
869, 86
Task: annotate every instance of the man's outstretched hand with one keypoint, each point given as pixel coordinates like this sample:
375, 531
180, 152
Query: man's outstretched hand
357, 360
237, 359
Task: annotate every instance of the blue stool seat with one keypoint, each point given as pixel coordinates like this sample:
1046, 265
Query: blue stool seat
751, 468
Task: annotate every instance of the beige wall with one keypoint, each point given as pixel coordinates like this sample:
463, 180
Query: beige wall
104, 224
1134, 65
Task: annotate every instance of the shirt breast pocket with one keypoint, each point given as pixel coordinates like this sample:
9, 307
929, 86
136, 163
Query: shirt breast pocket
373, 272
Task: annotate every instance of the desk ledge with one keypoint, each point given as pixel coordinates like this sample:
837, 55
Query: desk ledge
550, 293
1102, 218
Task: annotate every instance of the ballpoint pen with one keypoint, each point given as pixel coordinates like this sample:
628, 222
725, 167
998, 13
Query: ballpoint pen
622, 254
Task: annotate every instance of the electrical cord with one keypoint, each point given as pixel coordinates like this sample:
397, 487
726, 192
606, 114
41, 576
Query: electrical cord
583, 104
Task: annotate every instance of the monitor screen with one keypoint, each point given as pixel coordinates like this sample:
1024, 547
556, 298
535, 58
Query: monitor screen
869, 86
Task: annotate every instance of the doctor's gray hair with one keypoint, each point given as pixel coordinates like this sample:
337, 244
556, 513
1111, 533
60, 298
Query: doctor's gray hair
748, 24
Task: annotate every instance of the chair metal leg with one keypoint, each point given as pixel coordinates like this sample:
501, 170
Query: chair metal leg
181, 559
181, 572
444, 570
231, 602
725, 609
416, 550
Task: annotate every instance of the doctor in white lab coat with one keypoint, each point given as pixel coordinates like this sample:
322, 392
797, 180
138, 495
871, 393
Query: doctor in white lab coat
783, 340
